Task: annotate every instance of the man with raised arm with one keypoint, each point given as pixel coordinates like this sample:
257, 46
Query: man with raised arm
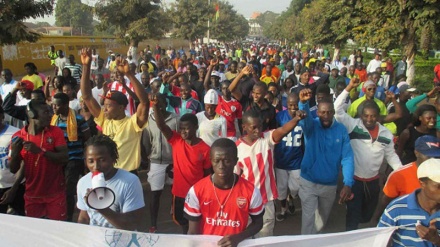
125, 131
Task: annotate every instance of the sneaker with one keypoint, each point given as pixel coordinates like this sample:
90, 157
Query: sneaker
290, 205
281, 216
153, 229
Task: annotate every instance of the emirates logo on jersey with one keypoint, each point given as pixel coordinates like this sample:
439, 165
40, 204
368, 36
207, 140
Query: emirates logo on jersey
241, 202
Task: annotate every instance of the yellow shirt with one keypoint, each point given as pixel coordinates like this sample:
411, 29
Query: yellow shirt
35, 79
127, 135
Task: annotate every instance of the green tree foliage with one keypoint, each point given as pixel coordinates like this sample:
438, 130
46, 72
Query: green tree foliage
230, 25
12, 15
329, 21
134, 20
73, 13
190, 18
267, 21
400, 24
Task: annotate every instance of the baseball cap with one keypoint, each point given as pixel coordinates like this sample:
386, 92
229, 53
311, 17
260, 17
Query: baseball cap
334, 68
430, 169
116, 96
28, 85
215, 73
344, 59
253, 54
221, 62
211, 97
406, 88
428, 146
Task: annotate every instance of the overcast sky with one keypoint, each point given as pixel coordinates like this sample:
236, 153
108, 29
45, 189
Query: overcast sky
244, 7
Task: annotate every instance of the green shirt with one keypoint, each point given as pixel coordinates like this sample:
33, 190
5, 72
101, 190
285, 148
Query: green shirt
352, 109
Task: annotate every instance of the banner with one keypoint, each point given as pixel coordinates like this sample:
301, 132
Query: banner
24, 231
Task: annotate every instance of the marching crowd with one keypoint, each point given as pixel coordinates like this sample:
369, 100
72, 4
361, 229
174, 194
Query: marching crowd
233, 129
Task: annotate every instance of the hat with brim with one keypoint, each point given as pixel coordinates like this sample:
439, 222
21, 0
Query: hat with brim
117, 97
26, 84
428, 146
429, 169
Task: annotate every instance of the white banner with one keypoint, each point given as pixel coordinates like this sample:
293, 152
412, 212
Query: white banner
23, 231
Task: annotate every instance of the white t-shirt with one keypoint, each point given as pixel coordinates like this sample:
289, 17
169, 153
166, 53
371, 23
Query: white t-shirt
6, 88
94, 65
96, 92
7, 178
128, 195
60, 63
211, 130
74, 104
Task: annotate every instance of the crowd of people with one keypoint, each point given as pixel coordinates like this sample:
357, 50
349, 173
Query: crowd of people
235, 130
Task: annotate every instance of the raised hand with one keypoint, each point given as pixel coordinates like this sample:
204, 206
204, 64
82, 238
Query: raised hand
122, 65
389, 95
300, 115
247, 70
153, 99
354, 82
305, 95
86, 56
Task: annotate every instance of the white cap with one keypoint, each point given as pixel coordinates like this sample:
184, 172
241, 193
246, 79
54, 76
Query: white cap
211, 97
430, 169
215, 73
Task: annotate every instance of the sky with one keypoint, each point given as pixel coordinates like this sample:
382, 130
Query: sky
244, 7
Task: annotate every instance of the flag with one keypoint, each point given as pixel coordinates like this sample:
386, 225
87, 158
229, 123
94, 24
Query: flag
217, 12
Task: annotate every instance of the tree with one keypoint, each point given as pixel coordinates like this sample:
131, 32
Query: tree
73, 13
330, 22
266, 21
398, 24
230, 25
190, 18
134, 21
12, 15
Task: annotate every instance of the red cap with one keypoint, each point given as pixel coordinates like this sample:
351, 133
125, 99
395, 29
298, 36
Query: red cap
28, 85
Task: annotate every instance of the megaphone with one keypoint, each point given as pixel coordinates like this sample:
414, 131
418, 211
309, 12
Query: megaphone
100, 197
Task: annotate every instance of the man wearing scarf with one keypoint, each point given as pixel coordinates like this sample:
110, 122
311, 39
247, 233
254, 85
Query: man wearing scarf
76, 132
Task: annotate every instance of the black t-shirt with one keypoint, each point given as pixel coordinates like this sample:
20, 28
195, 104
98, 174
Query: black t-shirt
267, 113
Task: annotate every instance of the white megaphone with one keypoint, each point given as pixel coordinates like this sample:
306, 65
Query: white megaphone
100, 197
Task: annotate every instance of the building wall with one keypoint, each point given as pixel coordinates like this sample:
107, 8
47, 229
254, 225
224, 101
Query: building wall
15, 56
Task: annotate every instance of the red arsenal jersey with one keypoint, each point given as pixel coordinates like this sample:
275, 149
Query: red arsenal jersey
201, 204
230, 110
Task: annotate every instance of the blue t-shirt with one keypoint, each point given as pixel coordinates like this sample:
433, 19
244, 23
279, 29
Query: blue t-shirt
289, 151
128, 195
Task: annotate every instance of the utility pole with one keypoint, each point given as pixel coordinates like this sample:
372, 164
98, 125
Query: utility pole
209, 4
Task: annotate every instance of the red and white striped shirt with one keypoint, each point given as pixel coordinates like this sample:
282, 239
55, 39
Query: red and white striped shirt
116, 86
202, 205
256, 164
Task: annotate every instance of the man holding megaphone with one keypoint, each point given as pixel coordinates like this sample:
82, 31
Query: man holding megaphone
107, 196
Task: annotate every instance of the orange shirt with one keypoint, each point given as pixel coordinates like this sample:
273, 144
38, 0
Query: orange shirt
275, 72
402, 181
362, 75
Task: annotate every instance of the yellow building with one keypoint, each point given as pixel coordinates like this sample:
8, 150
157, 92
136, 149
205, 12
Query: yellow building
15, 56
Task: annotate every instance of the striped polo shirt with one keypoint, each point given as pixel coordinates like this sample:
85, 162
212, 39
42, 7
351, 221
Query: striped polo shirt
76, 148
404, 212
